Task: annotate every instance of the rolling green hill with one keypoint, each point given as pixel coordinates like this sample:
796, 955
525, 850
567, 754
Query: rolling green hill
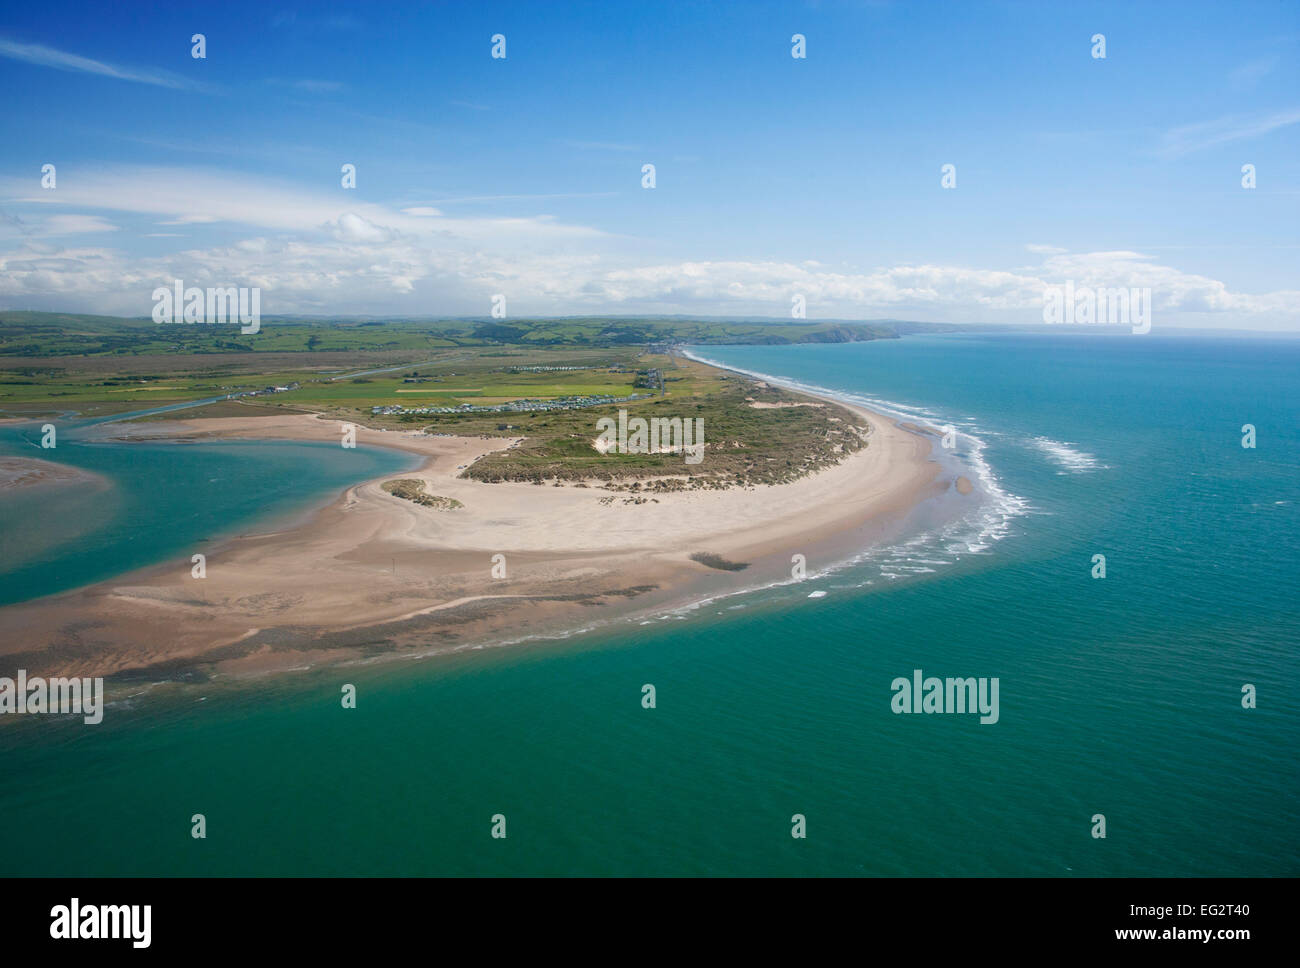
29, 334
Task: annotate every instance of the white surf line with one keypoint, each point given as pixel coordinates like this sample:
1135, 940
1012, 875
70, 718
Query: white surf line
1003, 507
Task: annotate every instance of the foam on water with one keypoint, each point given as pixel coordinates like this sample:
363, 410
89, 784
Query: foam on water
1071, 461
989, 520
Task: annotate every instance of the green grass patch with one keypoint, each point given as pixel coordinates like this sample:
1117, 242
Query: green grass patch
410, 489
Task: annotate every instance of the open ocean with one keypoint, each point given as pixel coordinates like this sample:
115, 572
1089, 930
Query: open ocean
1118, 696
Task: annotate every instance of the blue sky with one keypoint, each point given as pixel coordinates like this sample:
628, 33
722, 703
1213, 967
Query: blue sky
775, 176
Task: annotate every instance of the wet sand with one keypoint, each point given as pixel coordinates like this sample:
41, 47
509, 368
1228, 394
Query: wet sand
23, 472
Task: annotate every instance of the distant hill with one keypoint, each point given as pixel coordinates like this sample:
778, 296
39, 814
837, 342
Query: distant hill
25, 333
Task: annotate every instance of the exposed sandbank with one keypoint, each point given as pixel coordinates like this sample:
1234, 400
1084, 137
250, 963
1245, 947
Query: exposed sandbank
25, 472
373, 574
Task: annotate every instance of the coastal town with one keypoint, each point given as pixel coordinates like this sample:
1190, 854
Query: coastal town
264, 391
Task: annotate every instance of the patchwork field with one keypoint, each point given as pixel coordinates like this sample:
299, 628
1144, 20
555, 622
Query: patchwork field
752, 433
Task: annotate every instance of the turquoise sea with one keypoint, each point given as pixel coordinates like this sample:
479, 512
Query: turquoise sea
1119, 696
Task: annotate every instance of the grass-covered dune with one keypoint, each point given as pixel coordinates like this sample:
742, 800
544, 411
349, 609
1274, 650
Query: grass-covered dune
753, 434
410, 489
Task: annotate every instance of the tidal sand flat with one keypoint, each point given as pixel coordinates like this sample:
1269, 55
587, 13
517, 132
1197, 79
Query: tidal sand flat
24, 472
374, 574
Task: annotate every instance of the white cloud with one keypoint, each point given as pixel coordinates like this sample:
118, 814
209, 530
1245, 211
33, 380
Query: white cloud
44, 56
1171, 289
76, 224
47, 225
315, 251
350, 227
1206, 134
403, 274
184, 196
190, 220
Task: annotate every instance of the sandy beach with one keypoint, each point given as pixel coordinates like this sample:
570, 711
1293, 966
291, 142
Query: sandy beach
372, 575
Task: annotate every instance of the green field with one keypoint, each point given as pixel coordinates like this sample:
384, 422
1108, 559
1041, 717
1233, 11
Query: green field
744, 445
94, 366
56, 334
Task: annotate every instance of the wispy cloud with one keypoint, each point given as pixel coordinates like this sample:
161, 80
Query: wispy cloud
1251, 73
76, 225
310, 84
519, 198
215, 145
195, 196
290, 18
1206, 134
190, 220
61, 60
598, 145
47, 226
